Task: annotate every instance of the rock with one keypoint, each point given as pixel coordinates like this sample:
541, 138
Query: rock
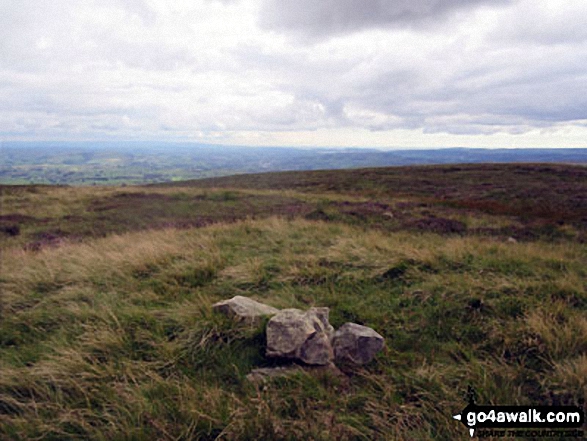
323, 313
300, 335
244, 308
263, 374
356, 343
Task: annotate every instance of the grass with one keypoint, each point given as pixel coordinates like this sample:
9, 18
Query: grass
115, 338
546, 194
110, 334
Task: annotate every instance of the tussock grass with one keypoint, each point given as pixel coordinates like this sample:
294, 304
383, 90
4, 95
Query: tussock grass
569, 377
558, 330
114, 338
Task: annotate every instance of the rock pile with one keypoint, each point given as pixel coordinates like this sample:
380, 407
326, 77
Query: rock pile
306, 336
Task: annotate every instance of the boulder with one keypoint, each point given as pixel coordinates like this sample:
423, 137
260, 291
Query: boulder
304, 336
356, 343
244, 308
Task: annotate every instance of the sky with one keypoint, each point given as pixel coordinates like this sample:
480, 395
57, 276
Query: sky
349, 73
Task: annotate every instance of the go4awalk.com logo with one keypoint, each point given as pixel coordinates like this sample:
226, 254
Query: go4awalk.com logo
528, 421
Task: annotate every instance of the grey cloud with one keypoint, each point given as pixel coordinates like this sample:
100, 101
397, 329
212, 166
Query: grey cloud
64, 68
496, 89
487, 99
556, 24
320, 18
540, 91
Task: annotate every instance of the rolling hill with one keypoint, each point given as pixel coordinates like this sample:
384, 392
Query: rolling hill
474, 274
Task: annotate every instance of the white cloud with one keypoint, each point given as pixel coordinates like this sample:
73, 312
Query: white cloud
346, 72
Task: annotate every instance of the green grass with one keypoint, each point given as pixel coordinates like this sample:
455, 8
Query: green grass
108, 332
115, 338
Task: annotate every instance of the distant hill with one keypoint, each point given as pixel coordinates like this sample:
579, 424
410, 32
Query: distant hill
86, 163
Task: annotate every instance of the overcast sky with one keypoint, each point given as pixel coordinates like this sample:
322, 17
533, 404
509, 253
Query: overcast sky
396, 73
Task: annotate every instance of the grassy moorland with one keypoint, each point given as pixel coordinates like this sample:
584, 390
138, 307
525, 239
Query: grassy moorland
106, 328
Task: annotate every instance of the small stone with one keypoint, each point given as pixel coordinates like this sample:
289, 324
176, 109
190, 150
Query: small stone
244, 308
356, 343
263, 374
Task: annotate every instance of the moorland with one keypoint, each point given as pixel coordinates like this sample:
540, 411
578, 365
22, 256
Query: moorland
474, 274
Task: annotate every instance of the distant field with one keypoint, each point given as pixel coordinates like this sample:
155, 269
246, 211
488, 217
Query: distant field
131, 163
476, 275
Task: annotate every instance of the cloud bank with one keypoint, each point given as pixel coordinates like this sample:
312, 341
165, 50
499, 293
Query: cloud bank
345, 72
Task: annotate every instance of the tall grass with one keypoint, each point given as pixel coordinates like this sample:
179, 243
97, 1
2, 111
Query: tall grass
114, 338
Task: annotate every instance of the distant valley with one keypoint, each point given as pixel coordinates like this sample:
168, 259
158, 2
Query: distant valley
117, 163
